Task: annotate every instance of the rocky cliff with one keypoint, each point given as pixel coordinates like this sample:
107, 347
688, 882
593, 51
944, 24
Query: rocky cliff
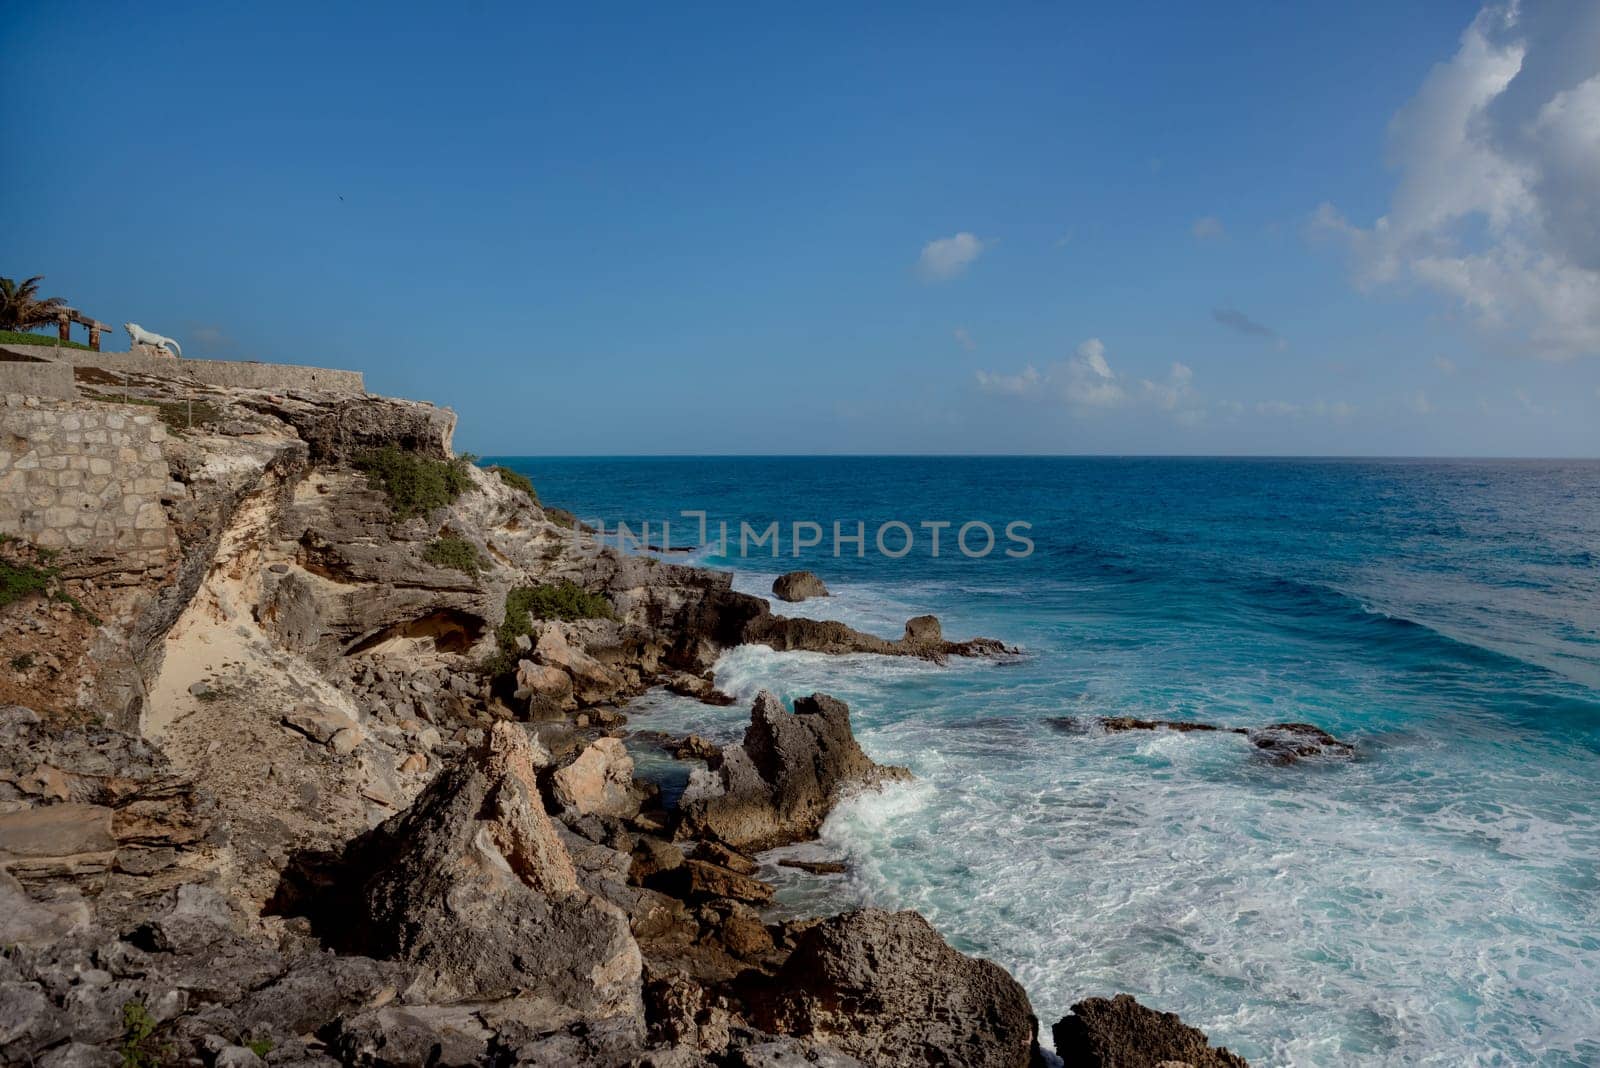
328, 772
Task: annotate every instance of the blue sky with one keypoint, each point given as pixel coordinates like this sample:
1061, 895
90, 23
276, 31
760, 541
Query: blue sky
918, 228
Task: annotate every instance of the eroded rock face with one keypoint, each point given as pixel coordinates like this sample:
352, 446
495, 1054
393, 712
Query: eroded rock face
797, 586
885, 988
779, 784
1121, 1033
473, 887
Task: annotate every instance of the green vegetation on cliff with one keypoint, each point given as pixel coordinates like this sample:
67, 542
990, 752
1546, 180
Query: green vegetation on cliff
447, 550
525, 604
416, 485
515, 481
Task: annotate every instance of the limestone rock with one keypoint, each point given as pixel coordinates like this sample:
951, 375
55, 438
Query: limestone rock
546, 688
779, 784
797, 586
599, 782
318, 723
472, 886
1121, 1033
885, 988
592, 681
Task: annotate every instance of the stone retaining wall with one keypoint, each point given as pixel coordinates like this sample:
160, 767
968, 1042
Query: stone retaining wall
84, 476
226, 373
38, 379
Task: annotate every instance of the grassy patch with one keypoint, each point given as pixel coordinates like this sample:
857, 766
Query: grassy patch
18, 581
525, 604
260, 1047
516, 481
22, 337
447, 550
416, 485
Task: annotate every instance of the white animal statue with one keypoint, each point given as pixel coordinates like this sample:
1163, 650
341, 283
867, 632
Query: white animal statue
141, 336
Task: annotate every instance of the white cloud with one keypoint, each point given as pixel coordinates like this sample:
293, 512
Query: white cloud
1089, 381
964, 338
1445, 365
948, 257
1498, 202
1338, 411
1418, 402
1277, 407
1172, 390
1014, 385
1207, 228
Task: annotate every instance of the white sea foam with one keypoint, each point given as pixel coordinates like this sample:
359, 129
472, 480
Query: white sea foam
1434, 903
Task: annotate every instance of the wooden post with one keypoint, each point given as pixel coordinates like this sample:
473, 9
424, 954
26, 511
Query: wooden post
64, 326
94, 336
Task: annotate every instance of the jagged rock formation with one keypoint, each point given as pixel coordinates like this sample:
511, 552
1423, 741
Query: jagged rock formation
778, 785
1121, 1033
885, 988
472, 887
797, 586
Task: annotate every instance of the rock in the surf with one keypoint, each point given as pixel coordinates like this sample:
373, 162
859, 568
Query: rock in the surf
885, 988
798, 585
780, 783
1286, 743
1120, 1032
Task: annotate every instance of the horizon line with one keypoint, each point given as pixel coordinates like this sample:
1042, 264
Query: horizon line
1462, 457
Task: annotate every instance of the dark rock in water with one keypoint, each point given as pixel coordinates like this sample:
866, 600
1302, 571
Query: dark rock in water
815, 867
699, 880
1285, 743
723, 618
694, 747
797, 586
700, 687
1121, 1033
885, 988
1073, 725
717, 853
778, 785
1281, 743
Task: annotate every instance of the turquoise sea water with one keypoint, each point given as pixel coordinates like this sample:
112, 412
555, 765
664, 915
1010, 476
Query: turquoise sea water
1434, 901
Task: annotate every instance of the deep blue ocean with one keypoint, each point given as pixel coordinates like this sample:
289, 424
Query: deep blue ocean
1434, 901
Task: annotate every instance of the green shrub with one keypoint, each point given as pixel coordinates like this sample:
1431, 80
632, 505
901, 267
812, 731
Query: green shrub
447, 550
260, 1047
24, 662
416, 485
524, 604
139, 1048
18, 581
516, 481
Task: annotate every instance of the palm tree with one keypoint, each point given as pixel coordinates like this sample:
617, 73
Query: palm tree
21, 307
